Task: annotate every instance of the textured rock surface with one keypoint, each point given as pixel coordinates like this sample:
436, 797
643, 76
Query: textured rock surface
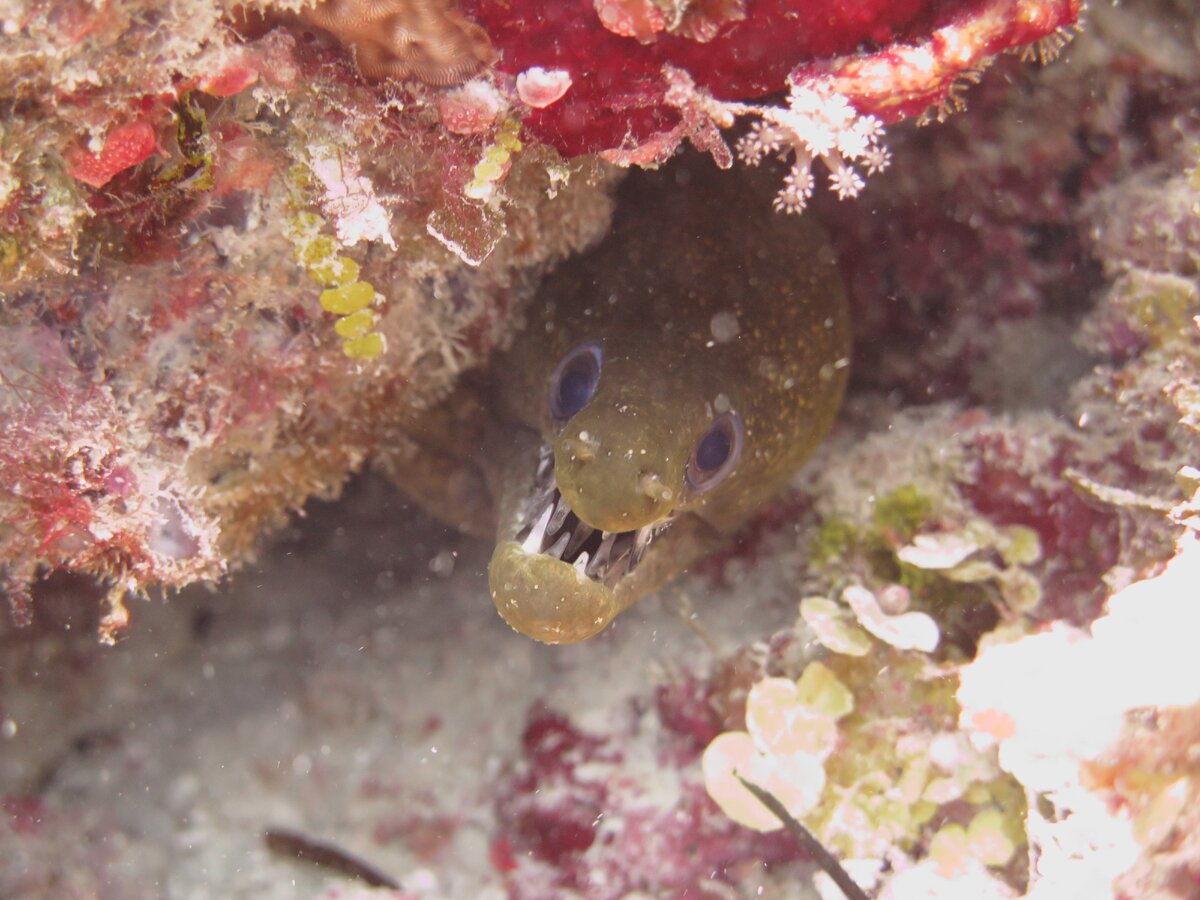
1012, 468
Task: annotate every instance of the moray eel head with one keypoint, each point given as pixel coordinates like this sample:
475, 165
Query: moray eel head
667, 384
609, 470
564, 576
603, 490
548, 600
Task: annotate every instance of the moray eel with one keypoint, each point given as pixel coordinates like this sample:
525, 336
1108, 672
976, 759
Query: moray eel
667, 384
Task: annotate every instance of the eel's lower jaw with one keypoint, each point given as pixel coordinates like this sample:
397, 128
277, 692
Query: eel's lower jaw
557, 579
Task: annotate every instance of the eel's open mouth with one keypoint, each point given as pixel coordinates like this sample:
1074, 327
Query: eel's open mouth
550, 527
554, 577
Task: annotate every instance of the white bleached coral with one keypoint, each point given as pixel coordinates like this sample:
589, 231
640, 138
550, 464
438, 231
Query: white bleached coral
1138, 656
1014, 693
815, 124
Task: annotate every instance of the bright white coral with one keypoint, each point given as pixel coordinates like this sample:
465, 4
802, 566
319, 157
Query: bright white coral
816, 124
1054, 702
1140, 654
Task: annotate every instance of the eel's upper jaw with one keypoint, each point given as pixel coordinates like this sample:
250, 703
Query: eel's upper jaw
556, 578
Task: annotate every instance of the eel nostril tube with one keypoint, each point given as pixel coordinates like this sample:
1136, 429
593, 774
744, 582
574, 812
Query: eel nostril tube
654, 488
582, 448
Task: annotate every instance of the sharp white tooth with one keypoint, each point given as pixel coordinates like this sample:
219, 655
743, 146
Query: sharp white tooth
597, 565
581, 563
642, 539
559, 546
601, 559
606, 545
580, 534
533, 543
616, 569
560, 516
622, 565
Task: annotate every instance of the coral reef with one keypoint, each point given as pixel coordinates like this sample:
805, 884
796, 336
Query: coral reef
632, 79
232, 271
153, 178
974, 576
181, 226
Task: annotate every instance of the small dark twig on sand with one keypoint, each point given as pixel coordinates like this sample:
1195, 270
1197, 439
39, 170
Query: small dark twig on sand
809, 842
285, 842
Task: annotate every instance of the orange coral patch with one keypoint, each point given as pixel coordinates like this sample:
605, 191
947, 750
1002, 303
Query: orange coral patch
124, 148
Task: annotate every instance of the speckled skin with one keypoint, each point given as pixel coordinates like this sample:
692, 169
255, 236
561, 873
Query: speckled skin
679, 254
688, 245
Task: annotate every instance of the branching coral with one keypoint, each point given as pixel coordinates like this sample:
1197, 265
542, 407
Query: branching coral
815, 124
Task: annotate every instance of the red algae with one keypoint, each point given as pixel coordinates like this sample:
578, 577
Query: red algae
576, 813
124, 147
893, 57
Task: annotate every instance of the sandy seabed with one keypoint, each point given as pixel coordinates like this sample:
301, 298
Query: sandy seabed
356, 686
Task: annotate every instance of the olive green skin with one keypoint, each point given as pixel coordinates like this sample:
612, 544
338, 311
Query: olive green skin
678, 256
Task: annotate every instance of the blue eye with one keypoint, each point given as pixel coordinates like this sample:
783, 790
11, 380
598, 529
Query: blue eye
575, 380
716, 452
